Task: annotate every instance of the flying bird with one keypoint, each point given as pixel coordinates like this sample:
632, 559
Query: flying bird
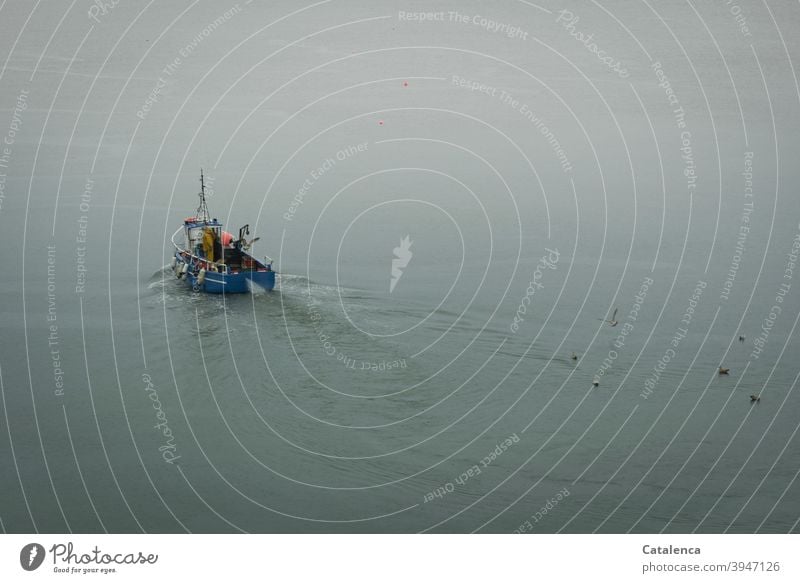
613, 321
596, 382
574, 356
755, 398
741, 337
247, 244
724, 370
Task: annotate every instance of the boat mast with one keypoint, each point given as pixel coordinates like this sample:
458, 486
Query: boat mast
202, 214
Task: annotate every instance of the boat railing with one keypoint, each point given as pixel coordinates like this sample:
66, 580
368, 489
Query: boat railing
218, 265
205, 259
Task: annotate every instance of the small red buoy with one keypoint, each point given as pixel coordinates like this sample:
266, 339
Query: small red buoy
380, 123
405, 83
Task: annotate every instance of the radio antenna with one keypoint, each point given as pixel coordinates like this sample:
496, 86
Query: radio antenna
203, 215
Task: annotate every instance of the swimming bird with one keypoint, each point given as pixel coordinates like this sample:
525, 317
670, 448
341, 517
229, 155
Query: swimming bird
613, 321
724, 370
755, 398
574, 356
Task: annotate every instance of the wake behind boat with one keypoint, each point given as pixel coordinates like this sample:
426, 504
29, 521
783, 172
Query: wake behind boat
210, 260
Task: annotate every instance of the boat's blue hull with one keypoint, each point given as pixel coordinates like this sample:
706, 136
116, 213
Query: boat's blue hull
228, 283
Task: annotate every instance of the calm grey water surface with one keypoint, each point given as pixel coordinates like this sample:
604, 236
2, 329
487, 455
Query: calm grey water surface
533, 180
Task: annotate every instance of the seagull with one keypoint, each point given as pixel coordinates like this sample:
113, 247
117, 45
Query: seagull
741, 337
724, 370
247, 244
755, 398
613, 321
574, 356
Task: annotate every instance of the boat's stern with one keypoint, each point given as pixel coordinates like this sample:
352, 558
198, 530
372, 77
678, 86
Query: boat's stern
209, 279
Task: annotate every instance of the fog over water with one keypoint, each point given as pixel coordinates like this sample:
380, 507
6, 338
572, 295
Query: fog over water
455, 195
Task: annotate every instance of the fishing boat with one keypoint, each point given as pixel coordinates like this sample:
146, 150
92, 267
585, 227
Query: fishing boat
210, 260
